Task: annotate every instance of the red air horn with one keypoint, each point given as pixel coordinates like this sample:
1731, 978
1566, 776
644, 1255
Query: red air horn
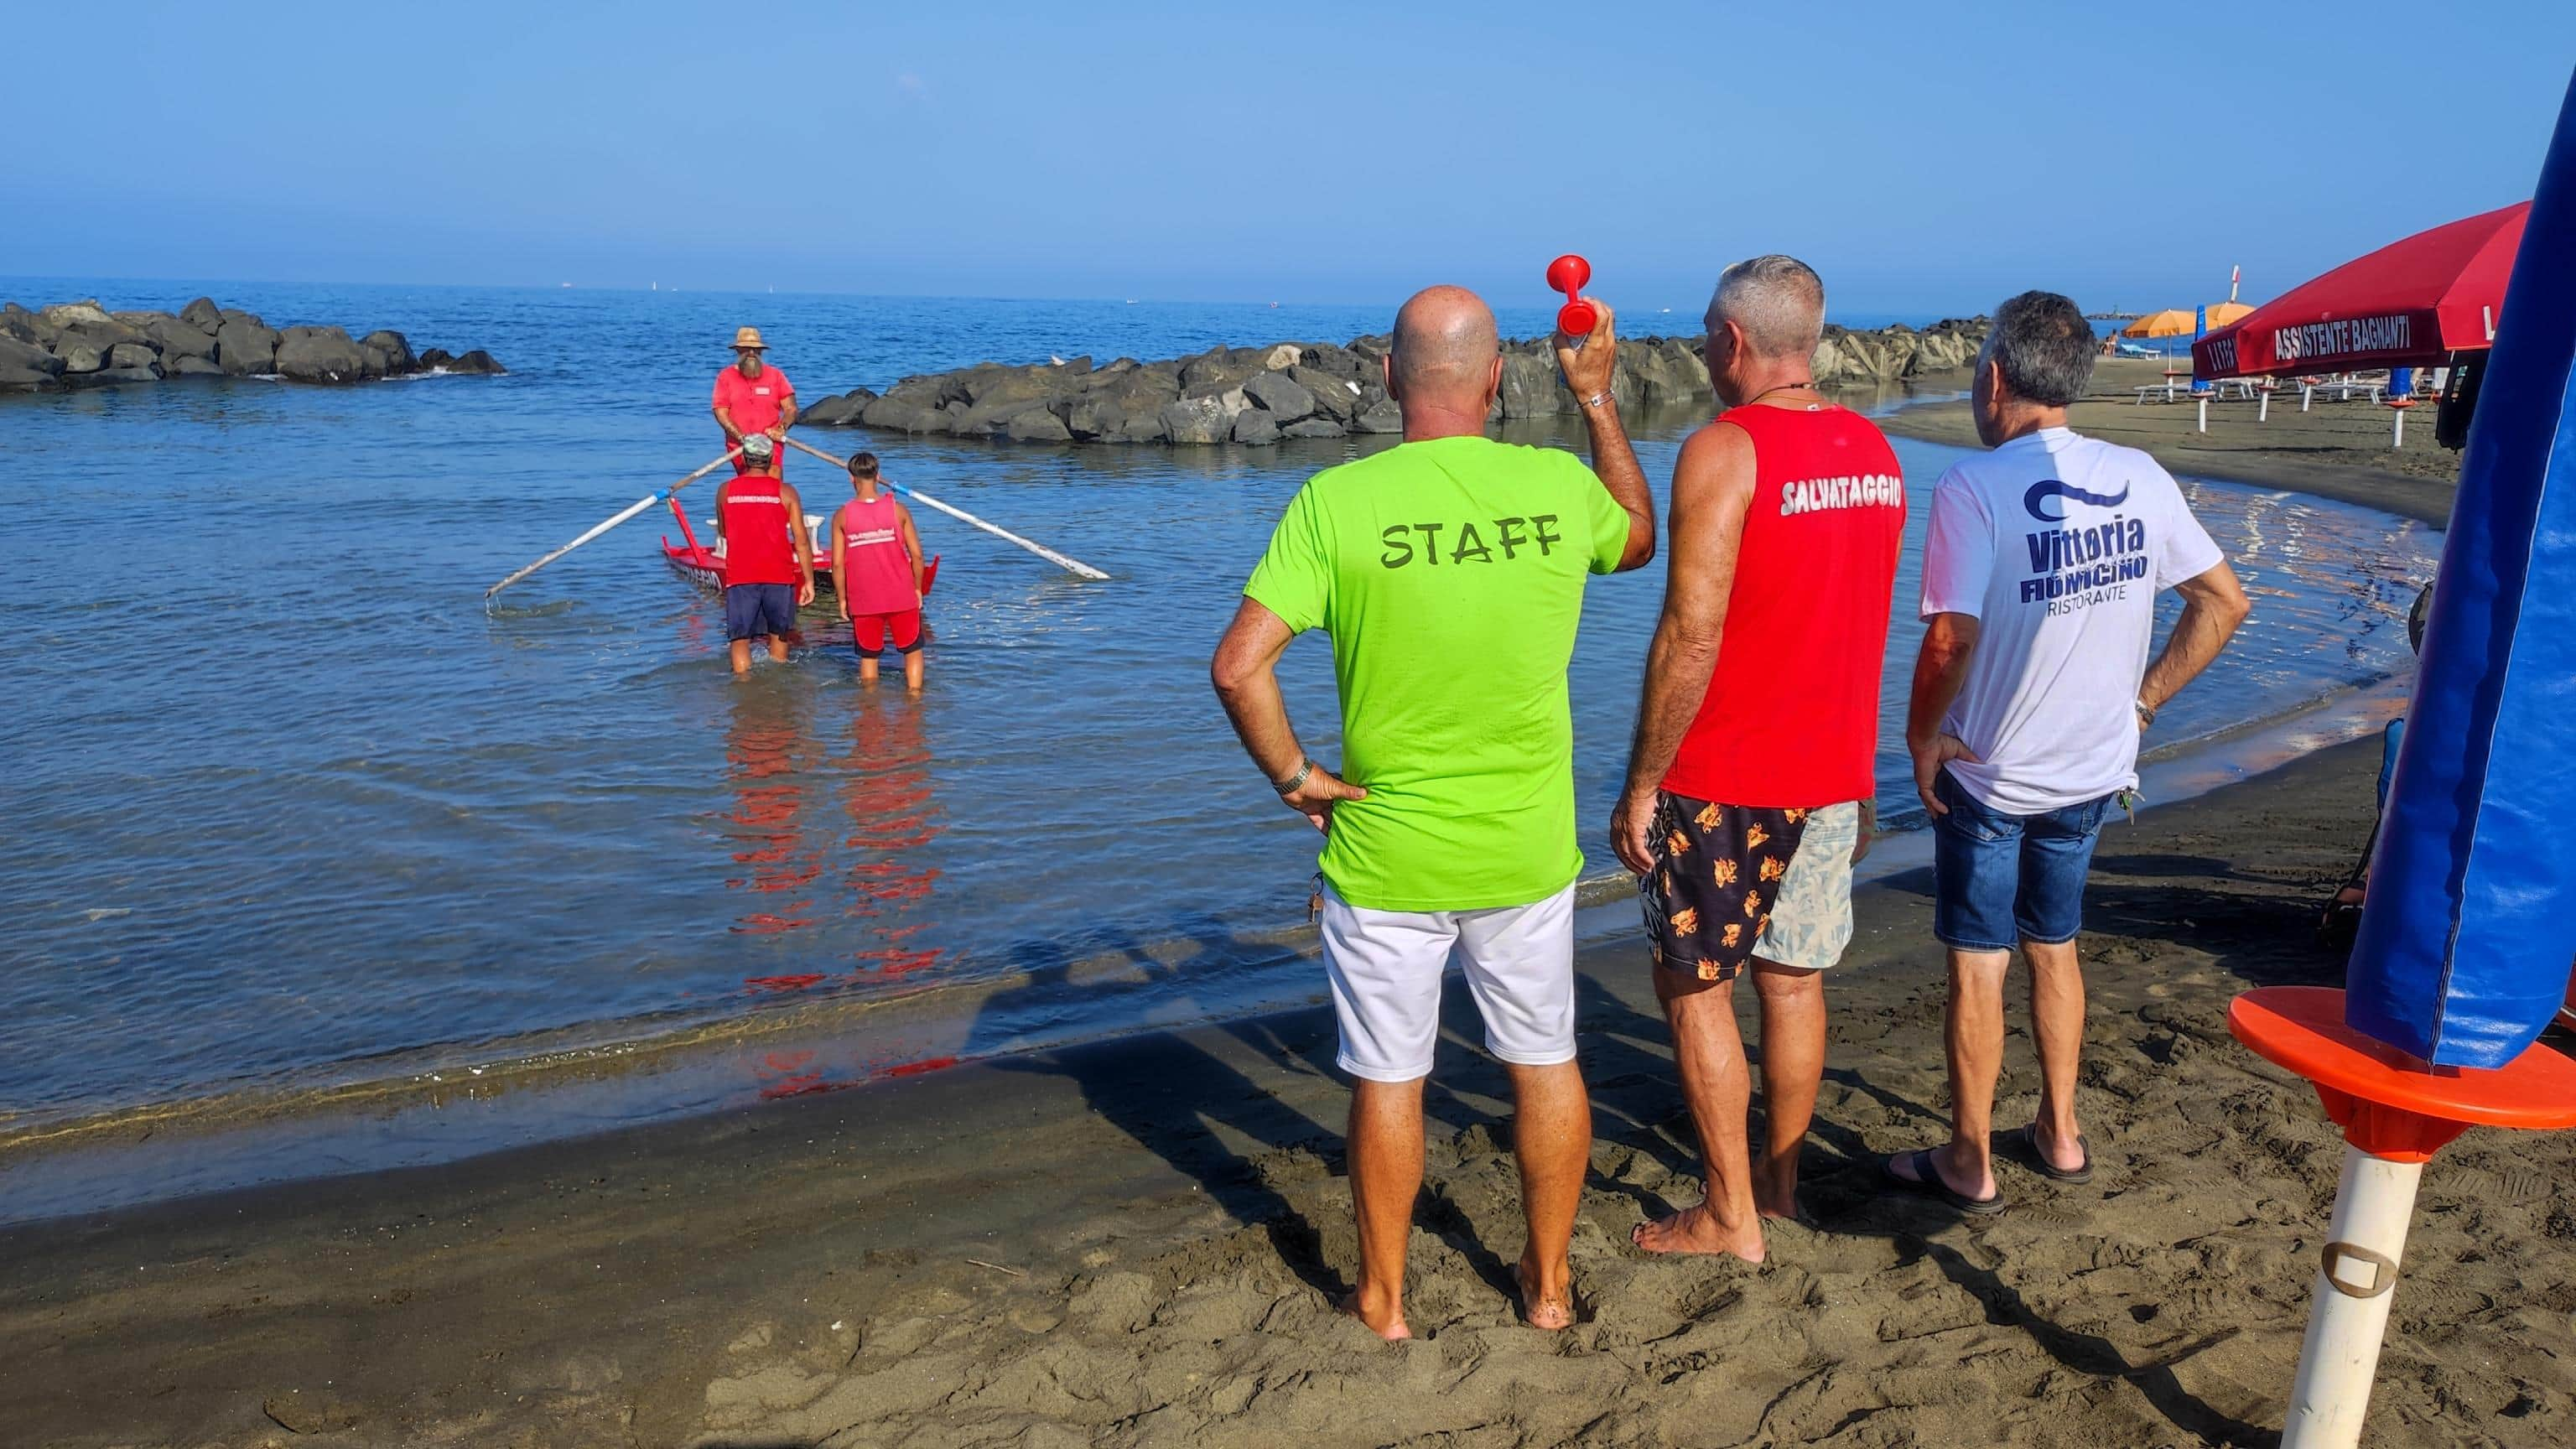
1569, 274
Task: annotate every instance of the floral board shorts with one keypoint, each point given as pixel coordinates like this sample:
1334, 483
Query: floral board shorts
1734, 881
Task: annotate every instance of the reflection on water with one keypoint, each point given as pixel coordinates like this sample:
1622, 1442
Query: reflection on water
811, 832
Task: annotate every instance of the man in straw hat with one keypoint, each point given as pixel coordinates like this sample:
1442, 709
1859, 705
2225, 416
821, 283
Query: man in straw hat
754, 397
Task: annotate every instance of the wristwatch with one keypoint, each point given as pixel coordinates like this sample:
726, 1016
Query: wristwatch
1289, 786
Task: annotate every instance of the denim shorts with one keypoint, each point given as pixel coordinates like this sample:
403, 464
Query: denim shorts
1998, 878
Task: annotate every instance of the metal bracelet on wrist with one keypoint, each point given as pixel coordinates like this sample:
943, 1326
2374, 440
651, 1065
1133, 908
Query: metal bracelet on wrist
1289, 786
2146, 712
1598, 398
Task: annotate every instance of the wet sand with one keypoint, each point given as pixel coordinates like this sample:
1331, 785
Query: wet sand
1138, 1244
2337, 450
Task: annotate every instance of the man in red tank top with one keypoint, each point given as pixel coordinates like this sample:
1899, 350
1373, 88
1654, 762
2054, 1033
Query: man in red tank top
768, 557
1750, 784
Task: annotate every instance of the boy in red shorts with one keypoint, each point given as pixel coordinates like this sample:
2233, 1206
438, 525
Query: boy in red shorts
876, 570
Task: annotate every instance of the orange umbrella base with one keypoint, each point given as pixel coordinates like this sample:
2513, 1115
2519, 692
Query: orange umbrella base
2392, 1105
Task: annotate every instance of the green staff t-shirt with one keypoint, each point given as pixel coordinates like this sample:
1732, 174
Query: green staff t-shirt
1450, 575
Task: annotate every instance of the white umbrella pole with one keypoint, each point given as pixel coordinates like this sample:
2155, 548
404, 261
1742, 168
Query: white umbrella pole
2372, 1210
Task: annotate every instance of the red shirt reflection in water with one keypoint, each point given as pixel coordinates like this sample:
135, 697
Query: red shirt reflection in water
761, 749
892, 815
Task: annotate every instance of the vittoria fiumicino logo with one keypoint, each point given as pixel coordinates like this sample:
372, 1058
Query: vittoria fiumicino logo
2073, 568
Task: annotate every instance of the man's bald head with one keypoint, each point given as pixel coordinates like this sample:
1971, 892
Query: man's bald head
1778, 301
1445, 348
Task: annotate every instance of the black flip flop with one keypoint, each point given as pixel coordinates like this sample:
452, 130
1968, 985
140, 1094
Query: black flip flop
1930, 1182
2028, 1140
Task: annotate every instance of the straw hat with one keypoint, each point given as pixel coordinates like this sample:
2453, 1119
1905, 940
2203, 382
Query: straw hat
749, 337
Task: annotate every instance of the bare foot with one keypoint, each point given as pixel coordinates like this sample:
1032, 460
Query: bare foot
1386, 1322
1549, 1312
1696, 1230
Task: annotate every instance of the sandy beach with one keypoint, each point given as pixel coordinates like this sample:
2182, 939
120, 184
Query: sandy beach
1138, 1244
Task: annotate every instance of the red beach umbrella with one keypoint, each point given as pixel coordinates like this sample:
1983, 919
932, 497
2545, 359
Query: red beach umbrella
2410, 303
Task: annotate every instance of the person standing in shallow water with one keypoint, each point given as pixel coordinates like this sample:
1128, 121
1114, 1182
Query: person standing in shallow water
876, 571
2032, 689
752, 397
1449, 572
769, 557
1750, 781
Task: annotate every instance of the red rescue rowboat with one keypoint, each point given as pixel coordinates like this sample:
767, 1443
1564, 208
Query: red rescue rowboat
703, 565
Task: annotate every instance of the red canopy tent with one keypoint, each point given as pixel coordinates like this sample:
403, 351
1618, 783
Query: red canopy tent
2410, 303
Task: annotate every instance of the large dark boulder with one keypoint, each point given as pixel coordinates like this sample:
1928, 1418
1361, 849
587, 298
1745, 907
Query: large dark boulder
390, 351
1382, 416
107, 376
838, 412
235, 314
1318, 426
79, 354
1036, 425
203, 315
92, 323
175, 338
245, 348
133, 356
903, 415
1255, 427
1198, 420
25, 367
1531, 388
320, 354
187, 366
28, 327
1278, 395
142, 321
1334, 395
478, 363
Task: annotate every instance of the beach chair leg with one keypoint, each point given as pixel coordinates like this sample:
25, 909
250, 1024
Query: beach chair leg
2399, 440
2204, 413
2263, 410
2306, 395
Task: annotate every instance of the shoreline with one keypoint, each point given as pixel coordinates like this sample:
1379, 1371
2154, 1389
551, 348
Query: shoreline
1138, 1241
521, 1093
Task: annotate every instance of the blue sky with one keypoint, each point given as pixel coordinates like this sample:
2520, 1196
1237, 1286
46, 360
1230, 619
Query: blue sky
1926, 158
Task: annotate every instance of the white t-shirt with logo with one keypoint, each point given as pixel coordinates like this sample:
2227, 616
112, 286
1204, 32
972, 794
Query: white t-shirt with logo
2057, 545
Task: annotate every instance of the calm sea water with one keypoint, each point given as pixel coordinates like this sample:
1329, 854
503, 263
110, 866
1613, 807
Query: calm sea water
287, 806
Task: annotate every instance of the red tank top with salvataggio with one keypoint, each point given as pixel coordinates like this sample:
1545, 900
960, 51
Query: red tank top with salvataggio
876, 575
757, 547
1791, 717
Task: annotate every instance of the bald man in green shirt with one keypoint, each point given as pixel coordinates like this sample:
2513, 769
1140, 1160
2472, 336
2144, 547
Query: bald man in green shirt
1449, 572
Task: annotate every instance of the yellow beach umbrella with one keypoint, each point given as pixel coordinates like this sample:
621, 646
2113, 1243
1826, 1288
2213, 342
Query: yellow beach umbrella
2171, 322
2223, 313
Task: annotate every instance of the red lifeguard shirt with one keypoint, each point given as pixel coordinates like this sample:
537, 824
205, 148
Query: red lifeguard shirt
1791, 716
758, 549
753, 402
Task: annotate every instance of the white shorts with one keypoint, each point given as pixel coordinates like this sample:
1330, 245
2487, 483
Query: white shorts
1386, 969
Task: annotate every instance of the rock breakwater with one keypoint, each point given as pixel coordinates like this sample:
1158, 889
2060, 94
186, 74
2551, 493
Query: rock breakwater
1259, 395
81, 344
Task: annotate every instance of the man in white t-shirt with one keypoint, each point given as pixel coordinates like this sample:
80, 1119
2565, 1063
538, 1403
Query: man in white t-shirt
2033, 685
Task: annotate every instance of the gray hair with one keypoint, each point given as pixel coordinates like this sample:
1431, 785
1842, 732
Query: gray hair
1778, 301
2044, 347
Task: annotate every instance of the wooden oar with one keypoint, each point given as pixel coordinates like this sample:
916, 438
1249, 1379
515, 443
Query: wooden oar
640, 504
1071, 565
